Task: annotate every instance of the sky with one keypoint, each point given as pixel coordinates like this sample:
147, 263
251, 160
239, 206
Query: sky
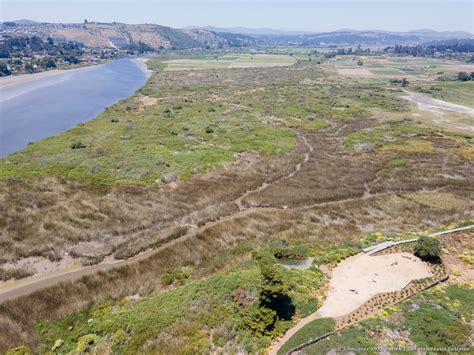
297, 15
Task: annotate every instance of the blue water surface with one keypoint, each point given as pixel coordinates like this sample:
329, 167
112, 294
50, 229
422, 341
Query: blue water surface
47, 106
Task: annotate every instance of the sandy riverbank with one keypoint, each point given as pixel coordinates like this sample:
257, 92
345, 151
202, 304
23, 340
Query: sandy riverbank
141, 63
13, 80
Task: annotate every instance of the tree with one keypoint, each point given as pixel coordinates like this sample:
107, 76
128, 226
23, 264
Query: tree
273, 304
428, 248
273, 290
463, 76
259, 320
4, 70
360, 62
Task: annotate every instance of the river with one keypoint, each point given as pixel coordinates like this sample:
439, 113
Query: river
36, 109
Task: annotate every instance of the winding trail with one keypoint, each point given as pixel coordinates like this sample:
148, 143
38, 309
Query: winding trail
22, 287
290, 175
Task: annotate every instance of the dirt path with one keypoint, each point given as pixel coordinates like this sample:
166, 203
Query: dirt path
290, 175
22, 287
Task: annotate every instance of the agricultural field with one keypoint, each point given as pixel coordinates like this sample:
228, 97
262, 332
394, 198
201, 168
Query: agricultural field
231, 61
384, 67
187, 197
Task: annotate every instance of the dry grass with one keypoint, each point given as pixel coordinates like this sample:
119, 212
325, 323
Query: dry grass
155, 241
16, 273
412, 146
62, 215
320, 225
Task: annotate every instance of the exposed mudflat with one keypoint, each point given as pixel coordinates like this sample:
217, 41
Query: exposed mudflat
427, 103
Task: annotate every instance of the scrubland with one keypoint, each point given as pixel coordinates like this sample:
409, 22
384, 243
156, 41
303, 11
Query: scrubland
210, 166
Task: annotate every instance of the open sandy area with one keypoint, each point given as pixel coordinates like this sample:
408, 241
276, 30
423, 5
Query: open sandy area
357, 279
141, 63
360, 277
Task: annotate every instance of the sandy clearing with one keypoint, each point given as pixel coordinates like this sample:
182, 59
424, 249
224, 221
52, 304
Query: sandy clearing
409, 269
141, 63
391, 272
446, 114
355, 72
358, 278
148, 100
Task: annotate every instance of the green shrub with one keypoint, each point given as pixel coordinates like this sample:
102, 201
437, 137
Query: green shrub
77, 145
21, 350
335, 254
434, 326
428, 248
281, 249
84, 342
174, 275
400, 162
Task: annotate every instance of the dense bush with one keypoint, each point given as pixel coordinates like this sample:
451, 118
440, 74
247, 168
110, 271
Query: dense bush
77, 145
175, 275
428, 248
434, 326
335, 254
281, 249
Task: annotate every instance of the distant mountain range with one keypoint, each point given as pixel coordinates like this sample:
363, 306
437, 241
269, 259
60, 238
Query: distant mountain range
249, 31
120, 35
343, 36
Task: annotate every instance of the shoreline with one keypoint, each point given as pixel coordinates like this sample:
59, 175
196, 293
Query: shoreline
13, 86
13, 80
140, 62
